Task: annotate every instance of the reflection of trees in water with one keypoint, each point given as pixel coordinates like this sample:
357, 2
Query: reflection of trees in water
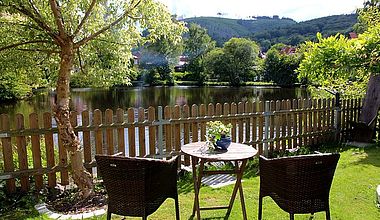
102, 99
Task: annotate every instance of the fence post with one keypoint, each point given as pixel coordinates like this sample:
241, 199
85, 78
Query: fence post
160, 132
266, 127
337, 116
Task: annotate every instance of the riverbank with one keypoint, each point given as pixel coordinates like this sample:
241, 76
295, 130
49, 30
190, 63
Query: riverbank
214, 83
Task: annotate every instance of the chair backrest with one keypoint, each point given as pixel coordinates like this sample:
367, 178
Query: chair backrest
132, 184
293, 180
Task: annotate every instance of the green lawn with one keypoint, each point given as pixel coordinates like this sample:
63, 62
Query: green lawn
352, 194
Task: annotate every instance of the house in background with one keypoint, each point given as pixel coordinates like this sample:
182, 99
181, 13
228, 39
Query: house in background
180, 67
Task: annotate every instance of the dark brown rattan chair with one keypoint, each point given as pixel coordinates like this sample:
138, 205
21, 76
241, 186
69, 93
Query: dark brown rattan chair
138, 186
298, 184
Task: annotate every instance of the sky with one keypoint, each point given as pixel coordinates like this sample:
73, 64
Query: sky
299, 10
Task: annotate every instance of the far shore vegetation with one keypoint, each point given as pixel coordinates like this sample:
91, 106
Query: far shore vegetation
205, 59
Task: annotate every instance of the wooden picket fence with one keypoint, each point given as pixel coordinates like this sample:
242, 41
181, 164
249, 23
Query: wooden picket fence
267, 126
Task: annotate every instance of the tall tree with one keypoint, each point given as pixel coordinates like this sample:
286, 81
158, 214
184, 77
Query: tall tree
197, 44
242, 55
236, 62
160, 57
280, 64
76, 31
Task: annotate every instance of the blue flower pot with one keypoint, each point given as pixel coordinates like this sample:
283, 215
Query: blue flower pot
223, 143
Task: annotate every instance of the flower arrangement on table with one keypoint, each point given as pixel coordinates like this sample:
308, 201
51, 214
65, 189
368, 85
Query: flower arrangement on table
218, 134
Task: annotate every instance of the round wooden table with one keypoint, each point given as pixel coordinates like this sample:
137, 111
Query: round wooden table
236, 153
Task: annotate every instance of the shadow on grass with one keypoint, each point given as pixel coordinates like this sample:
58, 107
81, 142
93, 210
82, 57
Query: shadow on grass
209, 218
367, 155
17, 205
185, 184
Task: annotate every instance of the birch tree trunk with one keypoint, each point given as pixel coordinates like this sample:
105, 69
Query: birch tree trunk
70, 141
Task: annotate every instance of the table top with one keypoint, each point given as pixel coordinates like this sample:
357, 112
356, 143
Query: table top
235, 151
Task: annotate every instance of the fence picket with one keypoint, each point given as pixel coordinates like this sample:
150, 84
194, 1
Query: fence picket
294, 123
7, 152
254, 125
22, 152
323, 120
98, 132
210, 111
177, 129
310, 122
278, 122
261, 125
141, 118
315, 122
152, 131
248, 109
288, 106
328, 118
131, 133
86, 139
49, 147
121, 134
233, 121
36, 149
305, 121
283, 125
272, 124
300, 122
202, 113
186, 131
240, 122
168, 129
194, 127
226, 111
218, 109
109, 132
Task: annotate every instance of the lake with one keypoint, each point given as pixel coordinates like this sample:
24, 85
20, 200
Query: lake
125, 97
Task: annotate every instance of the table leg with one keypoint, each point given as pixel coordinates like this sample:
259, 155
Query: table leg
242, 168
236, 188
197, 184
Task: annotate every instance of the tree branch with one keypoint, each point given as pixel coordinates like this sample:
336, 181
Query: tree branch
80, 62
87, 14
58, 17
23, 43
35, 9
39, 22
105, 28
23, 25
40, 50
112, 42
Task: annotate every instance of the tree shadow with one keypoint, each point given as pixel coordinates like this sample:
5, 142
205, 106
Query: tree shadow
208, 218
369, 154
185, 184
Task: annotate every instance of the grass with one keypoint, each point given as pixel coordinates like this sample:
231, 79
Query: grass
352, 195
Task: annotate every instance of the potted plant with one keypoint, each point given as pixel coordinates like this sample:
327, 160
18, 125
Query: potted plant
218, 134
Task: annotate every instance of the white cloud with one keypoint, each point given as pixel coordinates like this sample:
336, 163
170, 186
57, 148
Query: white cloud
296, 9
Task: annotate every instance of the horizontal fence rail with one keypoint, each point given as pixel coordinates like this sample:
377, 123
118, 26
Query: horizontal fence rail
36, 150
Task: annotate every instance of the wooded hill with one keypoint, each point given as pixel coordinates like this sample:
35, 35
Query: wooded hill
271, 30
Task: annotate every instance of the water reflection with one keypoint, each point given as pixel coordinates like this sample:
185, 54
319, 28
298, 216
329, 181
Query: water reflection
90, 99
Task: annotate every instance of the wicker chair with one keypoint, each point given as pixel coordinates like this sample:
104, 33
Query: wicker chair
138, 186
298, 184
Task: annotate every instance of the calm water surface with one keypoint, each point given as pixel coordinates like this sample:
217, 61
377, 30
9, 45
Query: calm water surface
91, 99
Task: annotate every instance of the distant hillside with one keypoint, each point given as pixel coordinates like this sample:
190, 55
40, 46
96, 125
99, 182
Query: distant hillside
268, 31
222, 29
